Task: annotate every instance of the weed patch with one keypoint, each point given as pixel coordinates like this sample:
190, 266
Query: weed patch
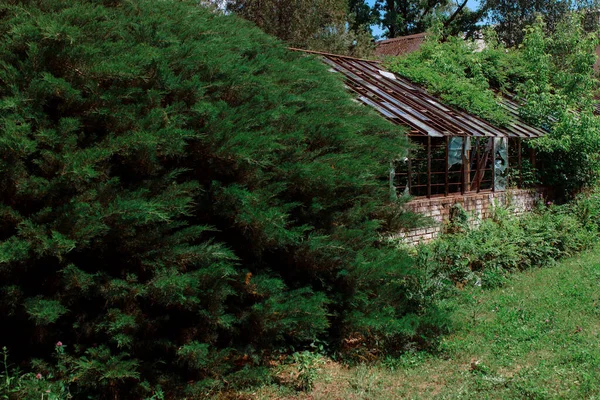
484, 256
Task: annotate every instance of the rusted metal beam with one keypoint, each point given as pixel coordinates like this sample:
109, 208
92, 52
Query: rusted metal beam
476, 179
520, 151
446, 169
493, 158
409, 171
428, 166
464, 167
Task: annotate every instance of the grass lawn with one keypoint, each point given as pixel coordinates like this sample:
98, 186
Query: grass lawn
536, 337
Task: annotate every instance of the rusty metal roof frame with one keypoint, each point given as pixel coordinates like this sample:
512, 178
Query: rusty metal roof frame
405, 103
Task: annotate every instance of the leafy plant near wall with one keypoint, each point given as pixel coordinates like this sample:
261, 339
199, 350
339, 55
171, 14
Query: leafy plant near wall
559, 95
506, 243
551, 75
183, 199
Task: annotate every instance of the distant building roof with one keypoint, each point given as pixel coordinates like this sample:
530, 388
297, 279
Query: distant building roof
405, 103
399, 45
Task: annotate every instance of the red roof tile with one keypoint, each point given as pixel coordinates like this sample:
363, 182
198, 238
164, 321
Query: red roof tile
399, 45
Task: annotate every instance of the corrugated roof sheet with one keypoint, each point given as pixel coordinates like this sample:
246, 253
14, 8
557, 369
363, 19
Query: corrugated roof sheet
405, 103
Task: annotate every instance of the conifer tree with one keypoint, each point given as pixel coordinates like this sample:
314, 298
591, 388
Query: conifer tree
181, 197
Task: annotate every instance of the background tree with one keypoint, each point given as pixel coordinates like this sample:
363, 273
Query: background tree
463, 21
325, 25
405, 17
511, 17
362, 15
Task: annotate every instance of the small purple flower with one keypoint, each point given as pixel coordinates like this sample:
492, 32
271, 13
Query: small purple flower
38, 376
59, 344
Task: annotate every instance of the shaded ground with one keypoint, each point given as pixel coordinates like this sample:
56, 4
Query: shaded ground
536, 337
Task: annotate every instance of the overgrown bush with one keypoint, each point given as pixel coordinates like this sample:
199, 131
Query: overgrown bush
183, 199
504, 243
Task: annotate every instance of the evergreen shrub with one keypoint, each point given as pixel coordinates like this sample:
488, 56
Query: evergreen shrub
182, 199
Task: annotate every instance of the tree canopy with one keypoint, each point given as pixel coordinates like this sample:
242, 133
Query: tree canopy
405, 17
325, 25
511, 17
345, 26
183, 199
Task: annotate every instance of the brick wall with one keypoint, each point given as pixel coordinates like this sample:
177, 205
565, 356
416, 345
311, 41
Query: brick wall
478, 205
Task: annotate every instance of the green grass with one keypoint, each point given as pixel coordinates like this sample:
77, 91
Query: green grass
536, 337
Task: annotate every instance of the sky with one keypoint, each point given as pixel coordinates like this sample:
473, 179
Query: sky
472, 4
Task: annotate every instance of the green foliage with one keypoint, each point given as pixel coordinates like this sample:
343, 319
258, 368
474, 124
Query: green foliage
558, 93
183, 199
535, 338
323, 25
404, 17
362, 15
458, 74
504, 243
510, 18
44, 312
552, 76
307, 368
15, 384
